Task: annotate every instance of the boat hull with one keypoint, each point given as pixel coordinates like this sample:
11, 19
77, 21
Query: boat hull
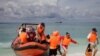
30, 49
30, 52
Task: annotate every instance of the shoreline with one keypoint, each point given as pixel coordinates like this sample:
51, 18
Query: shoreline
10, 52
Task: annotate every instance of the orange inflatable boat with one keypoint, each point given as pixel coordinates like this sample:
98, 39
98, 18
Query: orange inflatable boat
29, 49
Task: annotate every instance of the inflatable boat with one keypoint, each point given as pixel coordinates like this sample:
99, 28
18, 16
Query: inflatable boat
30, 48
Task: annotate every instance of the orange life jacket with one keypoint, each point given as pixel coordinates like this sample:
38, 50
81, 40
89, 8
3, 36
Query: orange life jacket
23, 37
66, 41
93, 37
54, 41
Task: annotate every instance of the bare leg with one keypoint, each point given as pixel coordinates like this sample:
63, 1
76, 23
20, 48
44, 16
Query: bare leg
95, 51
64, 54
65, 51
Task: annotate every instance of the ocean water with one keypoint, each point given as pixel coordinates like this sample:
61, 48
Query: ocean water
78, 31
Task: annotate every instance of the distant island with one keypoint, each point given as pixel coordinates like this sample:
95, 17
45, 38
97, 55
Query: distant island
59, 22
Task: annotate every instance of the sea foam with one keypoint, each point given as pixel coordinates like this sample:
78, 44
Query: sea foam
5, 45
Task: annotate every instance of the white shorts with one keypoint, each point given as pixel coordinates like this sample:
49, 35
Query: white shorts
93, 46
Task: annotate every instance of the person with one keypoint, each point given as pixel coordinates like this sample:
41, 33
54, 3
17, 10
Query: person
19, 30
66, 42
54, 42
40, 32
23, 36
93, 40
31, 34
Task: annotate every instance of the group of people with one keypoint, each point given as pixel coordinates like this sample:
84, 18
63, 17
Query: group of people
28, 34
54, 39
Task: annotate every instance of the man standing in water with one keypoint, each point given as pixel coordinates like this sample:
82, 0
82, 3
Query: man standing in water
54, 42
93, 41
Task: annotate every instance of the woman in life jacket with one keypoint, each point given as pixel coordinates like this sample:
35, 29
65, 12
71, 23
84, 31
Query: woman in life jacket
23, 36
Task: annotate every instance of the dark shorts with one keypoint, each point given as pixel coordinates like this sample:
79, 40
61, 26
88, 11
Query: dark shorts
52, 52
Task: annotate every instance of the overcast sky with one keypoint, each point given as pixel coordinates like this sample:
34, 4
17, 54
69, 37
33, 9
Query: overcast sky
49, 10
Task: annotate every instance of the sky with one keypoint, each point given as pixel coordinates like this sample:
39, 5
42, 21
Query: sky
49, 10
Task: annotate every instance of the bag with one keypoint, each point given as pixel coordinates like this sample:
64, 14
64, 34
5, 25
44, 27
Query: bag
88, 50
